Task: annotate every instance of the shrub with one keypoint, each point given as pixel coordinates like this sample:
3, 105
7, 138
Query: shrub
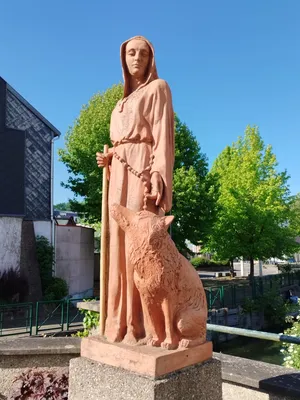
90, 321
285, 268
57, 289
45, 257
272, 304
13, 287
291, 351
40, 385
199, 262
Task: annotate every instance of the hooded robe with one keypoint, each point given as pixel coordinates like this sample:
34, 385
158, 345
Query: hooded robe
142, 132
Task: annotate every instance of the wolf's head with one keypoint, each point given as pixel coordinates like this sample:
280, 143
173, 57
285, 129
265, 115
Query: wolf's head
141, 227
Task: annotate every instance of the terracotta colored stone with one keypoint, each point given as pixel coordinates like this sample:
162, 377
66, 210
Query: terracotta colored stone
141, 166
173, 299
144, 360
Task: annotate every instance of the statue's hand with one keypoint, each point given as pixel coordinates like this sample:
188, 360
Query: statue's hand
157, 187
102, 160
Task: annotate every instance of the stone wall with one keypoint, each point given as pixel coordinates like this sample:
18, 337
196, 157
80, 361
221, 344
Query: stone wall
18, 355
241, 378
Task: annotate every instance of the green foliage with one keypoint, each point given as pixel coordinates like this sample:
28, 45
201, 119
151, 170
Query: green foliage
39, 384
256, 215
63, 206
291, 351
272, 305
45, 257
193, 201
90, 321
57, 289
13, 287
285, 268
88, 135
199, 262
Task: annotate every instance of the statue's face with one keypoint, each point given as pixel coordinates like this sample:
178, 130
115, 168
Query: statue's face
137, 57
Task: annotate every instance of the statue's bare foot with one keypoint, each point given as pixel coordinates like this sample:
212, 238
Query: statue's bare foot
130, 339
169, 344
185, 343
155, 342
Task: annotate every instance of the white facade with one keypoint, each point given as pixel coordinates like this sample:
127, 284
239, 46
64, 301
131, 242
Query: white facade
10, 242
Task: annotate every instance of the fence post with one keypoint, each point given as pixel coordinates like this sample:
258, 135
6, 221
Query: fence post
222, 296
37, 317
68, 314
1, 322
62, 314
210, 299
30, 319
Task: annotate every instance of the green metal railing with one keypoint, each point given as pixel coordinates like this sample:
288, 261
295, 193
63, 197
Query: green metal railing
16, 319
60, 315
275, 337
43, 316
54, 316
233, 295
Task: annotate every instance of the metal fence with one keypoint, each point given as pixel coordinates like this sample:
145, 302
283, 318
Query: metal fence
63, 315
234, 295
40, 318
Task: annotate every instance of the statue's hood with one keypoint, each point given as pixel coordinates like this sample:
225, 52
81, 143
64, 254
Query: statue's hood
151, 73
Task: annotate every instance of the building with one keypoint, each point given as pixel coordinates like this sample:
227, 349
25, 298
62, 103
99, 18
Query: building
26, 175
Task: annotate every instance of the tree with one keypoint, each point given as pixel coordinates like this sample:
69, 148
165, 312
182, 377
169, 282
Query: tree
193, 199
62, 206
192, 205
256, 214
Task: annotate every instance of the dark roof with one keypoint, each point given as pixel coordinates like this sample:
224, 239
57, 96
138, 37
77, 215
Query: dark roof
32, 109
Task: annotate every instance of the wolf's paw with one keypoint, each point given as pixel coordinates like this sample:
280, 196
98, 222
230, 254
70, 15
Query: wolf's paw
169, 344
144, 341
153, 342
184, 343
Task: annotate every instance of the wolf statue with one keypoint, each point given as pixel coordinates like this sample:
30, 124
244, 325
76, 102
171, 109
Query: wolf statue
172, 295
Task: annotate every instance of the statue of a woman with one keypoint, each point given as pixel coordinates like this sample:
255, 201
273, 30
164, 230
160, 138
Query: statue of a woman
141, 167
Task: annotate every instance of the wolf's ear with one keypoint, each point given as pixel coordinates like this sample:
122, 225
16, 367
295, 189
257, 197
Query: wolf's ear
168, 220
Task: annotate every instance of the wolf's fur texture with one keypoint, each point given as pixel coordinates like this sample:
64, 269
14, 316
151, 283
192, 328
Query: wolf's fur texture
172, 295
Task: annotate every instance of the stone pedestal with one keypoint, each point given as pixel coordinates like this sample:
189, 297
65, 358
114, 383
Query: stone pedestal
119, 372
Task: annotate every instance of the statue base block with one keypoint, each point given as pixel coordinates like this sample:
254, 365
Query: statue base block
118, 372
144, 360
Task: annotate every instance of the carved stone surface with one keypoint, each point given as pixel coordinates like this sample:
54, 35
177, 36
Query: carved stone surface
141, 165
172, 294
144, 360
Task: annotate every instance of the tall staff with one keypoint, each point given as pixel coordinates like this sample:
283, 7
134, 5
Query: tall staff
104, 247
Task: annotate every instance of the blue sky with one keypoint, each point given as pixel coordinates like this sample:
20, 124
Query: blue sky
228, 63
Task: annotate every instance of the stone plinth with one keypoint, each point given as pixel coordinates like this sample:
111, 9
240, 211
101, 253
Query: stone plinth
94, 381
144, 360
115, 371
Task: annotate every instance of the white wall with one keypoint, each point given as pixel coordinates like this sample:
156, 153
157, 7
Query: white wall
75, 259
42, 228
10, 242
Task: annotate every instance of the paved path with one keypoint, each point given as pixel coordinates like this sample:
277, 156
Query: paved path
267, 270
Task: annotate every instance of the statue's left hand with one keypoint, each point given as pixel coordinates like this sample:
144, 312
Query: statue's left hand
157, 187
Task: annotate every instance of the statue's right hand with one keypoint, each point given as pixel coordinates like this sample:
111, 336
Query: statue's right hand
101, 159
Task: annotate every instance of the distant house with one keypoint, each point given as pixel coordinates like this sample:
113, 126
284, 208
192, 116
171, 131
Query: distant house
26, 173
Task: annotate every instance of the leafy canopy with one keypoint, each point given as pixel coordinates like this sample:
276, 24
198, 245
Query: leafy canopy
192, 205
256, 217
